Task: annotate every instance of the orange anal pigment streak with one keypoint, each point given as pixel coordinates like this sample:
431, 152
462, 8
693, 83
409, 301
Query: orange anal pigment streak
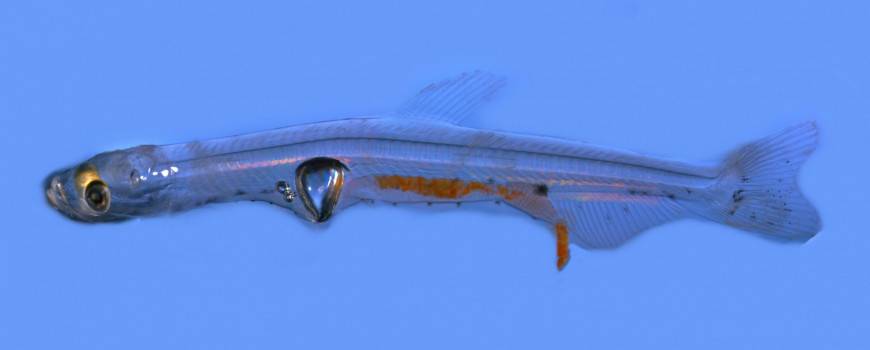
562, 245
443, 188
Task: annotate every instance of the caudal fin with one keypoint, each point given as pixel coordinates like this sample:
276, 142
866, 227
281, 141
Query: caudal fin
758, 189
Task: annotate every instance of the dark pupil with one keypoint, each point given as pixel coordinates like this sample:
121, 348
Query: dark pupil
97, 197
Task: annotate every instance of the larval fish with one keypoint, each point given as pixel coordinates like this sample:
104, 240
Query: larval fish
592, 196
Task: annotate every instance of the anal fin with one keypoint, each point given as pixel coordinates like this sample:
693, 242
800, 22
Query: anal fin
607, 220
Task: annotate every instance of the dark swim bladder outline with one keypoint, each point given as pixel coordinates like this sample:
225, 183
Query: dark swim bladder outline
592, 196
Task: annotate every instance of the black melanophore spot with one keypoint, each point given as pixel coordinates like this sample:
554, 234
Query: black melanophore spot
240, 193
671, 196
736, 197
541, 190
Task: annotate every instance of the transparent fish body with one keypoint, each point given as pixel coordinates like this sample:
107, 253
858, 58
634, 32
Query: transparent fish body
595, 197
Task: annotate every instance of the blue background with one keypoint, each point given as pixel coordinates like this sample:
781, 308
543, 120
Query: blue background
686, 79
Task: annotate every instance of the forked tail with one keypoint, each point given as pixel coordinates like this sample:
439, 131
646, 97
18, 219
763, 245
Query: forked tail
758, 189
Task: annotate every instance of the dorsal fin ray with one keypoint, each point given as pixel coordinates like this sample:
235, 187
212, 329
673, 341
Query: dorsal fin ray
453, 100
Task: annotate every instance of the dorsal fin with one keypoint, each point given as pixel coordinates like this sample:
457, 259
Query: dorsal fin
453, 100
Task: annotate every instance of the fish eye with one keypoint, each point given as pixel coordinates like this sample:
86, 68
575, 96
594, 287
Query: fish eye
97, 196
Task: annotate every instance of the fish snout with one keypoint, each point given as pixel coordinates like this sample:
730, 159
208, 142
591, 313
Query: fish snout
51, 186
55, 192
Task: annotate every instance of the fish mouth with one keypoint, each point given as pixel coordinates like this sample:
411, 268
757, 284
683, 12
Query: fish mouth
52, 188
55, 194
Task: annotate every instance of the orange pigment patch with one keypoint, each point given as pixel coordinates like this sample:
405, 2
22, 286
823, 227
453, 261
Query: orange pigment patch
562, 245
443, 188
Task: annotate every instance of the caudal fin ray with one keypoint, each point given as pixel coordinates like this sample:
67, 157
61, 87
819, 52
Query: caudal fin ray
759, 191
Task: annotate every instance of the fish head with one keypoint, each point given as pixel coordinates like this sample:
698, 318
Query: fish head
107, 187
